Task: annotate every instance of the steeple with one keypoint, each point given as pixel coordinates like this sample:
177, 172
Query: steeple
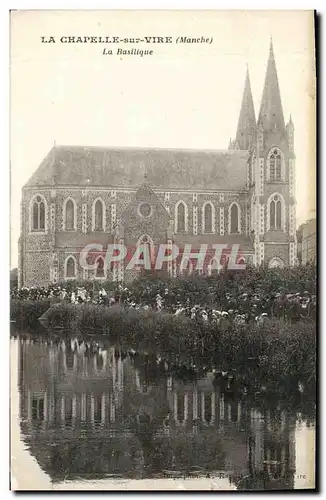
271, 111
247, 121
290, 133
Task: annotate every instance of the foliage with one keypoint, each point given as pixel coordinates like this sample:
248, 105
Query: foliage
27, 312
202, 290
275, 352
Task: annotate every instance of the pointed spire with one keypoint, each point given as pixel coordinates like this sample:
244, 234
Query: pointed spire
289, 125
290, 134
271, 48
247, 120
271, 111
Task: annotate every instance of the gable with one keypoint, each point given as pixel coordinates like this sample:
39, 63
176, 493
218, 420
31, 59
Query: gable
145, 214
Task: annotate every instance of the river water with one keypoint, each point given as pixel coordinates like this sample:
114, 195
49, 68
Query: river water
85, 415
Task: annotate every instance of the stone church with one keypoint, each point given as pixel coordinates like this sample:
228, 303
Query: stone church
244, 195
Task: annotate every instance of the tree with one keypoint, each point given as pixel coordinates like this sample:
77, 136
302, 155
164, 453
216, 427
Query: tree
14, 277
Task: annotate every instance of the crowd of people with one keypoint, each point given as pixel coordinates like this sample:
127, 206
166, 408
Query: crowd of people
241, 308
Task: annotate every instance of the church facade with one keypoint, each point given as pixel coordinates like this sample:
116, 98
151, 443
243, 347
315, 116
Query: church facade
244, 195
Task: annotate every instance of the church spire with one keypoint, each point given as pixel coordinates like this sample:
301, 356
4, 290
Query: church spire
247, 121
271, 112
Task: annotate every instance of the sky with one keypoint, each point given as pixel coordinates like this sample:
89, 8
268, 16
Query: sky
183, 96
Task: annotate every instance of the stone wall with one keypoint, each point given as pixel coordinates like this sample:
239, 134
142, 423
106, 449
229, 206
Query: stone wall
36, 249
274, 250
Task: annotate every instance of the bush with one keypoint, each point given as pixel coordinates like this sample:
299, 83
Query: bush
213, 290
26, 313
276, 354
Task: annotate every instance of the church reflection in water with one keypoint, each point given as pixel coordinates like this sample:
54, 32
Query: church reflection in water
92, 413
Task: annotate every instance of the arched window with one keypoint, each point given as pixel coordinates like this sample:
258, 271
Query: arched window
207, 408
181, 217
38, 214
208, 218
100, 272
37, 409
275, 213
70, 267
146, 241
99, 361
70, 359
98, 215
98, 409
234, 218
275, 160
180, 404
69, 215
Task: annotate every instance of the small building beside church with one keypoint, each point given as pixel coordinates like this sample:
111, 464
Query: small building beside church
307, 244
243, 195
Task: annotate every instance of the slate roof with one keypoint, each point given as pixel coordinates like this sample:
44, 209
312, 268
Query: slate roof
128, 167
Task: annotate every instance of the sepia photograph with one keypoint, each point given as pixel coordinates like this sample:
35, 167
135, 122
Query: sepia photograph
163, 286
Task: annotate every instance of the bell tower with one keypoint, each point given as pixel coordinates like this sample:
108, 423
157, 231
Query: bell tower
274, 177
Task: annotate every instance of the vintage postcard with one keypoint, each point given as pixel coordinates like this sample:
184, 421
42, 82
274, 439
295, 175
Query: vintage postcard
163, 250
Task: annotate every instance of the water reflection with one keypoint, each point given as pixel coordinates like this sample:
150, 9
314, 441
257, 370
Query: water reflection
91, 411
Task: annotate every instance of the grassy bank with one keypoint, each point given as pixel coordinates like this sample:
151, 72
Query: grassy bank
26, 313
277, 353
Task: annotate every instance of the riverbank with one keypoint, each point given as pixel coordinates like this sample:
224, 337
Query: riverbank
26, 313
277, 353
